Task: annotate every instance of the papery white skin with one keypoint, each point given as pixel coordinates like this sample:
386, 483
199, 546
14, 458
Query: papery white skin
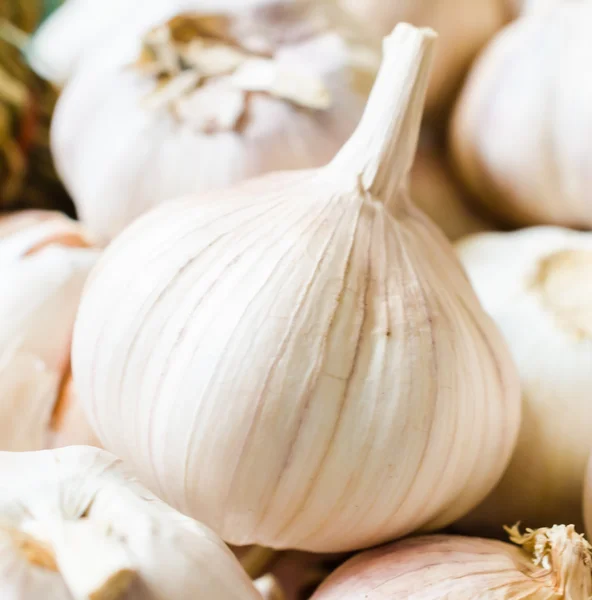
300, 361
521, 131
43, 267
435, 191
553, 352
119, 158
93, 518
463, 27
554, 564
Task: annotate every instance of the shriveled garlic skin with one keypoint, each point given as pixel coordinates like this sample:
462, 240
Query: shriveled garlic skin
74, 517
435, 190
44, 261
462, 568
463, 27
120, 157
294, 360
537, 286
521, 129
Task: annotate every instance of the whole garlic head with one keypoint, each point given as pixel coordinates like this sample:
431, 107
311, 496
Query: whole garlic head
75, 525
521, 130
537, 285
296, 360
547, 564
44, 261
463, 28
205, 100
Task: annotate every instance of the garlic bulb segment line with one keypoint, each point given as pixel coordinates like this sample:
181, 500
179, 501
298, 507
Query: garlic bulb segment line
76, 525
286, 359
547, 563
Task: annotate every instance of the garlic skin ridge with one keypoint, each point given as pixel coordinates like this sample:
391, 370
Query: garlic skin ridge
132, 155
537, 286
550, 564
74, 524
298, 347
44, 261
520, 131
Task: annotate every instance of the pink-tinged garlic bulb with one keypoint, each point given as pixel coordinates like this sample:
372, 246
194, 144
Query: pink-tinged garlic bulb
44, 261
205, 100
76, 525
520, 135
545, 564
463, 27
296, 360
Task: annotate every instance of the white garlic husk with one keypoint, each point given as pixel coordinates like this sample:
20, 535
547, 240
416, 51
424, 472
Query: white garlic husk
44, 261
304, 346
203, 101
537, 286
75, 525
546, 564
438, 194
520, 136
463, 27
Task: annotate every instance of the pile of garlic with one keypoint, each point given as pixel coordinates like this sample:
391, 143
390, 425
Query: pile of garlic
287, 348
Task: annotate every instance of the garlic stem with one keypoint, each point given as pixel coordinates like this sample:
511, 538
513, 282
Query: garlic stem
93, 563
382, 149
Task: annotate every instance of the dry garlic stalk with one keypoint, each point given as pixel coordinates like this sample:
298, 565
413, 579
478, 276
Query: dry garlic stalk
74, 525
304, 346
435, 190
44, 261
521, 130
463, 27
537, 285
547, 564
210, 99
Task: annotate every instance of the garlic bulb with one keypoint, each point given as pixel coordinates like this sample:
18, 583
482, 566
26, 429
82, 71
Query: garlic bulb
463, 27
550, 564
521, 129
304, 346
537, 286
435, 190
44, 261
75, 525
210, 100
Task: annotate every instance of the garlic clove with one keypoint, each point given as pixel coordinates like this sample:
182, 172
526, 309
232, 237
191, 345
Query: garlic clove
75, 521
198, 100
273, 342
45, 259
545, 563
536, 285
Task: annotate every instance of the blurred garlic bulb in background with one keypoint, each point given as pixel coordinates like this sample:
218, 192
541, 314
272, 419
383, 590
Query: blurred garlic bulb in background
294, 359
521, 131
463, 28
546, 564
209, 101
44, 261
537, 285
434, 189
74, 524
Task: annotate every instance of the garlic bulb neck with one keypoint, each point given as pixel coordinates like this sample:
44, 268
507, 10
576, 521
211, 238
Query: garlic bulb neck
382, 149
208, 66
563, 281
562, 552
